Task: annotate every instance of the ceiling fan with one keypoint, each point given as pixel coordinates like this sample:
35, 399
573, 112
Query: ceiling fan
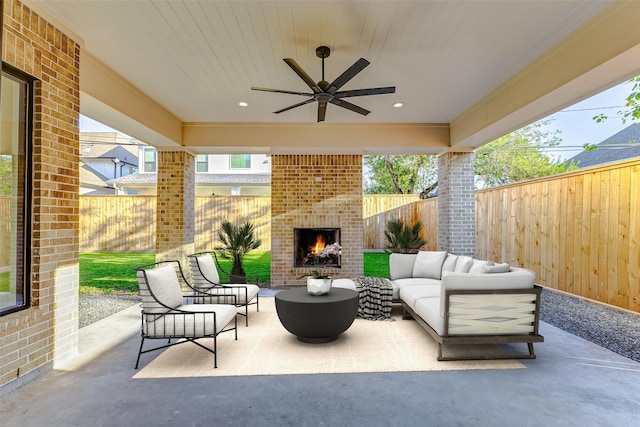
325, 92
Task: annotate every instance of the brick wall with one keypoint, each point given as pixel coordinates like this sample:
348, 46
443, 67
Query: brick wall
456, 204
175, 223
31, 339
315, 191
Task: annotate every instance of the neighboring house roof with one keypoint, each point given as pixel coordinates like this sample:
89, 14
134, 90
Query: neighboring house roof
623, 145
91, 177
201, 178
123, 153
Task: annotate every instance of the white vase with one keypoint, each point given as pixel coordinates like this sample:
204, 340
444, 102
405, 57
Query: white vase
318, 286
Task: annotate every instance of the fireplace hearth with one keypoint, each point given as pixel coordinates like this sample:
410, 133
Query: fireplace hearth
317, 247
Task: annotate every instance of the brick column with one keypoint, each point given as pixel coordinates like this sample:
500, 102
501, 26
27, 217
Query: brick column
175, 201
456, 204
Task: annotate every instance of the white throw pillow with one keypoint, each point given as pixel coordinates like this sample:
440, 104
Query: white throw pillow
496, 268
450, 262
429, 264
477, 266
463, 264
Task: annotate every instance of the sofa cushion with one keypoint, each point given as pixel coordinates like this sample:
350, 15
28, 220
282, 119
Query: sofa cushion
410, 294
428, 264
463, 264
401, 265
427, 309
450, 262
517, 278
477, 266
496, 268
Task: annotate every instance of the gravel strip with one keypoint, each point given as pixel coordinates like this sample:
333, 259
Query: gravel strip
96, 307
611, 328
616, 330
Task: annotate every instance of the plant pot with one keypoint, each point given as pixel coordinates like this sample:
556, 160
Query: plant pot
237, 278
318, 286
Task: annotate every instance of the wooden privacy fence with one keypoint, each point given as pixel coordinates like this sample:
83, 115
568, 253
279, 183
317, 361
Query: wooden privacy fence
579, 231
409, 208
127, 223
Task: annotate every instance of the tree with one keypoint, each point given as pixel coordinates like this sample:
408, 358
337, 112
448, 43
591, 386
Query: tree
632, 106
398, 174
518, 156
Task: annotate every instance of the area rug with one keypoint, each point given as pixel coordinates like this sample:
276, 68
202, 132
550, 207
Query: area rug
266, 348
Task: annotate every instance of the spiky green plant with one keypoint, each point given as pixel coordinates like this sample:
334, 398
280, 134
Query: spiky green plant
237, 241
402, 238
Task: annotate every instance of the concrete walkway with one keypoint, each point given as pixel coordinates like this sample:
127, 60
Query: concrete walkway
572, 383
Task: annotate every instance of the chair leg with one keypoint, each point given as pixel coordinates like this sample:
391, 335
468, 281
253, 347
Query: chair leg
246, 314
139, 352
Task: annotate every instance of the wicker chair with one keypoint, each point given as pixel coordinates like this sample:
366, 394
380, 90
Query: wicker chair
206, 279
168, 313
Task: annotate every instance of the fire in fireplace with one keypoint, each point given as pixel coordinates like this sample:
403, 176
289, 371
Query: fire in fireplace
317, 247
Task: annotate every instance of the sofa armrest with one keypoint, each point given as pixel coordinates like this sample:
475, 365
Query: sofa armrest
492, 311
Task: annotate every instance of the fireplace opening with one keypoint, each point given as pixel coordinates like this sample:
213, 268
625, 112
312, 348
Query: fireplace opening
317, 247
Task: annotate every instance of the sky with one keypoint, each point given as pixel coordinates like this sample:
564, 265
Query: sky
575, 123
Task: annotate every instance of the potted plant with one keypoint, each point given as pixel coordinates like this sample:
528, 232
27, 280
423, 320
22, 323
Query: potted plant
237, 241
402, 238
317, 283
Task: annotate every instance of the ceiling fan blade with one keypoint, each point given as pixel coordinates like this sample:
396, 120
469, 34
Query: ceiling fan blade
264, 89
350, 73
294, 106
350, 106
322, 111
302, 74
365, 92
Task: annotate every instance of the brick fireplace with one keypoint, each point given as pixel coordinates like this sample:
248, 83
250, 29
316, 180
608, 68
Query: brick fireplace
316, 192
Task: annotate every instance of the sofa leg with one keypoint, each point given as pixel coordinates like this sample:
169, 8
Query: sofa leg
406, 315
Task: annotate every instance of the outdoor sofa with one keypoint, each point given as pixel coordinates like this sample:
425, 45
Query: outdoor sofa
459, 300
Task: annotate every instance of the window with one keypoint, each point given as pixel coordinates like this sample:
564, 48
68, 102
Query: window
15, 189
149, 160
240, 161
202, 163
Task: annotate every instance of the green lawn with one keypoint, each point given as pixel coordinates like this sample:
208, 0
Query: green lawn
4, 282
106, 273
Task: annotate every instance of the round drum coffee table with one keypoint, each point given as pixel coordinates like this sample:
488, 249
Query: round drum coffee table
316, 318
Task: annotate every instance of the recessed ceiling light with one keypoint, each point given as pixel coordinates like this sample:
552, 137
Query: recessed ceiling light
242, 104
398, 105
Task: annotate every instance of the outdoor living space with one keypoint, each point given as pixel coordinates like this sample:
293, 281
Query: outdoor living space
199, 78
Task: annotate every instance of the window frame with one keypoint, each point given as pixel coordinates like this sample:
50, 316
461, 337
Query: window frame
202, 159
146, 150
23, 280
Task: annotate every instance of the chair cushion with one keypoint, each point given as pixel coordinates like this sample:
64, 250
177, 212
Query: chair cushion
429, 264
204, 271
197, 322
163, 283
242, 297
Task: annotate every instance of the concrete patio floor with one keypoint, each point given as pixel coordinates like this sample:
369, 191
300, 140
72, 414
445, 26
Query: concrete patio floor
572, 383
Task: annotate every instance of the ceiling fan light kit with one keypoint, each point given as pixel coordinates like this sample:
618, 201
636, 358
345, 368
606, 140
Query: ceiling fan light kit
328, 93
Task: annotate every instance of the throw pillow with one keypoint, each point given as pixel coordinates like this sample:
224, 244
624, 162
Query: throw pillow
163, 282
496, 268
477, 266
429, 264
450, 262
463, 264
208, 268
